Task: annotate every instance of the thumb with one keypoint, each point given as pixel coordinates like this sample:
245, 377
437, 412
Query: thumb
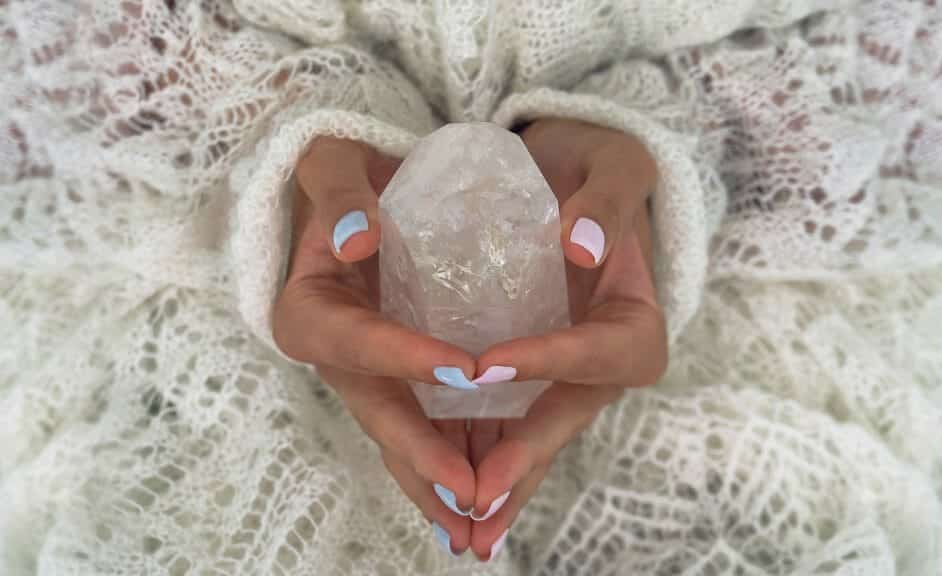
602, 210
334, 176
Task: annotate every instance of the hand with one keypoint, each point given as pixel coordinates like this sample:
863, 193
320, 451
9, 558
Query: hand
327, 315
602, 179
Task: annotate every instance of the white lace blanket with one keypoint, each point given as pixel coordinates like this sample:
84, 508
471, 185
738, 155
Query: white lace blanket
148, 427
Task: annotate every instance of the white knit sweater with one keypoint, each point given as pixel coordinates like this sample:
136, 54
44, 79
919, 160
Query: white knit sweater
147, 425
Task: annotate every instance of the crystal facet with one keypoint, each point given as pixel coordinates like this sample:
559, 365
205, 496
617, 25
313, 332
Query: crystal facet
470, 255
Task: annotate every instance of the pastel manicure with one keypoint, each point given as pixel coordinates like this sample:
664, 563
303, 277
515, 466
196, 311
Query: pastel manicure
498, 544
454, 377
496, 374
495, 506
444, 539
588, 234
448, 498
351, 223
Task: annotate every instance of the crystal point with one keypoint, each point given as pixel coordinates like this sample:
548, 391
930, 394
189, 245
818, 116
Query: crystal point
470, 255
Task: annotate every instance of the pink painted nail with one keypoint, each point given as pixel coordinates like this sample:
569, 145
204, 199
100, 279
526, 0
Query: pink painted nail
588, 234
495, 506
496, 374
498, 544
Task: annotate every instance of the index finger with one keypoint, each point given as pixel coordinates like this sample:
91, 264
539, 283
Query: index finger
621, 342
317, 322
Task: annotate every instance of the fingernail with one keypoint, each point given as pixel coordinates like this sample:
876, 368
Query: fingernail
495, 506
448, 498
496, 374
498, 544
588, 234
454, 377
444, 540
351, 223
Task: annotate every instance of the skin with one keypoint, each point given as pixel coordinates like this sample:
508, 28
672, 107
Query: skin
618, 338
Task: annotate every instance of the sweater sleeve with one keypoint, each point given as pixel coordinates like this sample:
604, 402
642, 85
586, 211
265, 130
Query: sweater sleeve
358, 96
160, 138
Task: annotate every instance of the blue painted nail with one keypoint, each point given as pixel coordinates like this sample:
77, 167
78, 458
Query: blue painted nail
351, 223
448, 498
443, 539
454, 377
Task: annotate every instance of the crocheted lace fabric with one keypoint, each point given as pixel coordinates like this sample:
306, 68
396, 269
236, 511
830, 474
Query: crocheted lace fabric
148, 426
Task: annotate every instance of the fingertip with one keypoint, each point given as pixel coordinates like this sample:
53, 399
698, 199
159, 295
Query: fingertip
494, 366
443, 538
479, 546
442, 363
496, 374
517, 360
586, 239
449, 499
376, 344
579, 255
360, 246
492, 509
355, 236
453, 377
453, 535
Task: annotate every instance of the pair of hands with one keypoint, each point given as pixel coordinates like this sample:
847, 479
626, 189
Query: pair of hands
327, 315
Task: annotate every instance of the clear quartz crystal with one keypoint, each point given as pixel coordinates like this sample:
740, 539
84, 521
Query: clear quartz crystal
470, 254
